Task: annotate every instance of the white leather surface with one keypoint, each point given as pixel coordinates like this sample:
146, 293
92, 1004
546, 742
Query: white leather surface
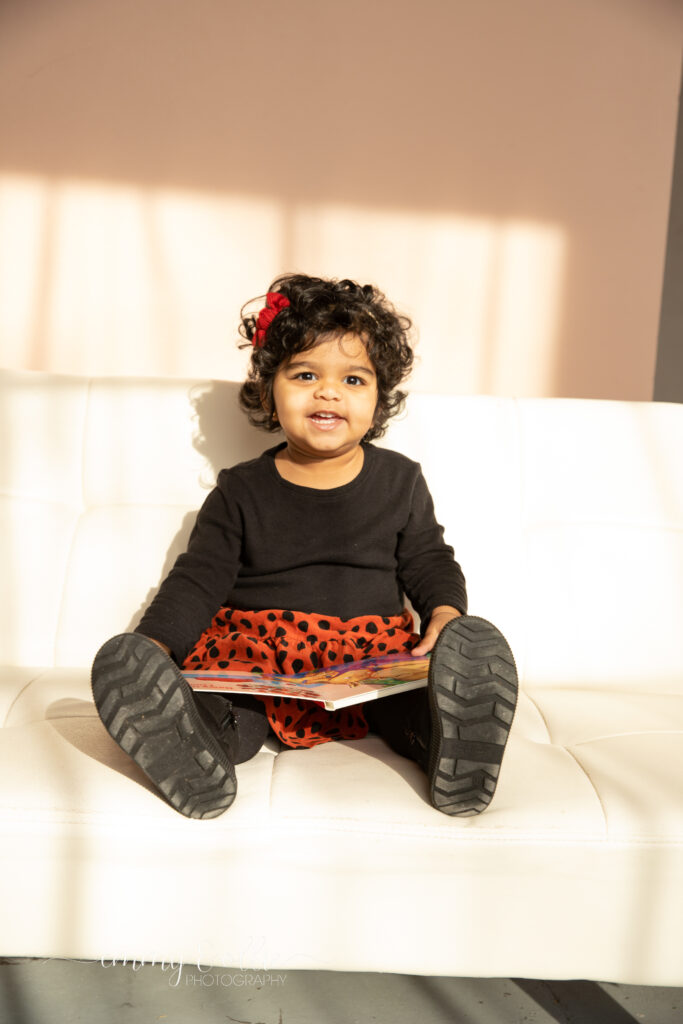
568, 520
573, 853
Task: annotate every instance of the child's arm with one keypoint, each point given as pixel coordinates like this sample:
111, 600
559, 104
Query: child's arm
202, 575
427, 570
440, 616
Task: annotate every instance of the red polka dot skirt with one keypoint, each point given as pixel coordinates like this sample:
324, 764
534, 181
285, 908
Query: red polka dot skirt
288, 642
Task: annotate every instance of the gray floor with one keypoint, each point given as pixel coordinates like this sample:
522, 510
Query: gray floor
51, 991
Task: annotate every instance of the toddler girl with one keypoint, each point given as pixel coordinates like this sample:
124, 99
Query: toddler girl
301, 559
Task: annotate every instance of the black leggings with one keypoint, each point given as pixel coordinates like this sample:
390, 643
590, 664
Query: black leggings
401, 720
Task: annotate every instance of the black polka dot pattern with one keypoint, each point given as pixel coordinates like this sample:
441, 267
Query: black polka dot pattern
237, 639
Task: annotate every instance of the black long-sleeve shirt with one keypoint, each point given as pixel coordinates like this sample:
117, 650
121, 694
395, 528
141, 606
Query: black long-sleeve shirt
262, 542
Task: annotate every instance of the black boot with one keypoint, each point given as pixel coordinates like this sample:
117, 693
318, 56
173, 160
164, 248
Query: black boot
149, 709
403, 721
238, 721
472, 700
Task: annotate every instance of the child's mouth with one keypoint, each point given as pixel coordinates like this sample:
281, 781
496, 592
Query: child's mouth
325, 420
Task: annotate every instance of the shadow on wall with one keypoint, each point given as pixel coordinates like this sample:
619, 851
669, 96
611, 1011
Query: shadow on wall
219, 433
222, 437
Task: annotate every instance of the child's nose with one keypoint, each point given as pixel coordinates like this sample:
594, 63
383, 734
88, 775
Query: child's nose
328, 388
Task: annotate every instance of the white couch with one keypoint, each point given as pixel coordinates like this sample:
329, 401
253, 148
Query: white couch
567, 517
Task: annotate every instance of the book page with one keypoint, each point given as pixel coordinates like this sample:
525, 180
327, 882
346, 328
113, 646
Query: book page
333, 687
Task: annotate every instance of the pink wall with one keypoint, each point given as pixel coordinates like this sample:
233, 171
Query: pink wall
501, 168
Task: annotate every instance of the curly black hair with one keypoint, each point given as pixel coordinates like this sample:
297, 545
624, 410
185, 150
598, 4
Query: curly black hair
323, 308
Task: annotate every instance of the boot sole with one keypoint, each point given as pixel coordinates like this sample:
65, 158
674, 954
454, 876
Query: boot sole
148, 709
472, 699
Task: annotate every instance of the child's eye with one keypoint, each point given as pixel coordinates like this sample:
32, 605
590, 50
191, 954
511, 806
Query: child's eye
304, 375
354, 381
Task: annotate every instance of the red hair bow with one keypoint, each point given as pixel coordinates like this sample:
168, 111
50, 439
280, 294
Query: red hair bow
275, 302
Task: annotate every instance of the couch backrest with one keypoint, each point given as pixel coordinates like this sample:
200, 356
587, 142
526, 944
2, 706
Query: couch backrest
566, 515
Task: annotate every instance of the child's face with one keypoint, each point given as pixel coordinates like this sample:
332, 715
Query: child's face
325, 398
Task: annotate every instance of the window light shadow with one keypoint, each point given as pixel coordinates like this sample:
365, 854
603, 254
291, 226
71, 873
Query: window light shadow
146, 281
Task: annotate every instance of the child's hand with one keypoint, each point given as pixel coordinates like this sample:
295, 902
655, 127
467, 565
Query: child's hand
440, 616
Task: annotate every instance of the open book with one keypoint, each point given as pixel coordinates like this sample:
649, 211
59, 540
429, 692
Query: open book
334, 687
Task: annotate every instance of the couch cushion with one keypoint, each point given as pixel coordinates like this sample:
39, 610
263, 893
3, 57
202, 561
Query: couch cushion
574, 847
